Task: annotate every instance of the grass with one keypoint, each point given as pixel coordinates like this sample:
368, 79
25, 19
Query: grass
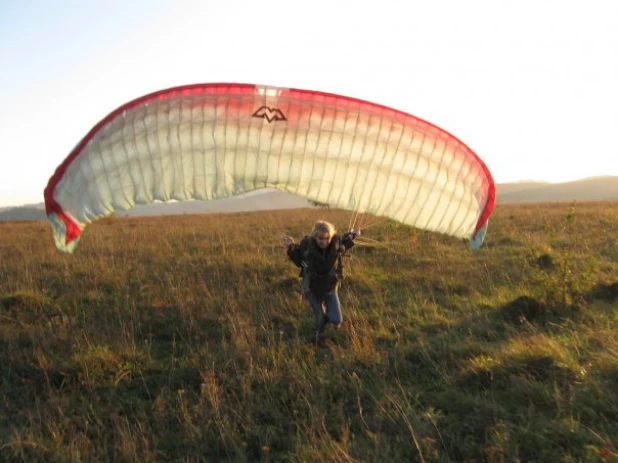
184, 339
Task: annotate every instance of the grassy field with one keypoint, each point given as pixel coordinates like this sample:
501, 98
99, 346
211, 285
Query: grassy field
185, 339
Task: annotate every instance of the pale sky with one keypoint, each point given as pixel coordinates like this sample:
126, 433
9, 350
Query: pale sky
530, 85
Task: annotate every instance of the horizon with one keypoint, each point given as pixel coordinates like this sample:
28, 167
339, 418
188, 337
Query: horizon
261, 190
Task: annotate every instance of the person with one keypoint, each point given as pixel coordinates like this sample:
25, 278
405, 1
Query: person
317, 255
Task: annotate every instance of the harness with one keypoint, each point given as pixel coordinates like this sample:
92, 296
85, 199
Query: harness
307, 273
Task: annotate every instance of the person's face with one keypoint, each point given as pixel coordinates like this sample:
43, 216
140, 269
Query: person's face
322, 240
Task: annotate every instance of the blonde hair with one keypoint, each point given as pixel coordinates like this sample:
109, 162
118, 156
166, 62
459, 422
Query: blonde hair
322, 226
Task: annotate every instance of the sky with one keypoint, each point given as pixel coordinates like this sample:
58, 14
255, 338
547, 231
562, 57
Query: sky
530, 85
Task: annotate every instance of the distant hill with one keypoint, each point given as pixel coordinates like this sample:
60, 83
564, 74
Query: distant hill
591, 189
29, 212
262, 200
258, 201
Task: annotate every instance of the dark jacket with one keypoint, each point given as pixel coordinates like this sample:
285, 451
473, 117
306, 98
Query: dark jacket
319, 265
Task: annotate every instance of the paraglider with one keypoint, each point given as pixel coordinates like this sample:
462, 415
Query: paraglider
210, 141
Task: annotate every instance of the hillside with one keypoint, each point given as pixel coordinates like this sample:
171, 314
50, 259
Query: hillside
263, 200
185, 339
591, 189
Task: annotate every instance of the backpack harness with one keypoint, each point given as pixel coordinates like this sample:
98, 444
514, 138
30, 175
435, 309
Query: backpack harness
305, 272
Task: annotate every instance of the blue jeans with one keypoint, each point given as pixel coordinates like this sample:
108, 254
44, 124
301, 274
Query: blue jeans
325, 311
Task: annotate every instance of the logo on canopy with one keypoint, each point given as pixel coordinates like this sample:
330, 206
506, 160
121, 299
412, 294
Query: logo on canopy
270, 114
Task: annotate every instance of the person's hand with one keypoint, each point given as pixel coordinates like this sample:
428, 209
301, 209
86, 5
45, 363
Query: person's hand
355, 232
288, 241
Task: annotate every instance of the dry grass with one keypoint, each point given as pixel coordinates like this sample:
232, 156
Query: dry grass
184, 339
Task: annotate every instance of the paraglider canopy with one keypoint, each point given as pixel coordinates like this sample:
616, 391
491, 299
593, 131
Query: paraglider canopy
210, 141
